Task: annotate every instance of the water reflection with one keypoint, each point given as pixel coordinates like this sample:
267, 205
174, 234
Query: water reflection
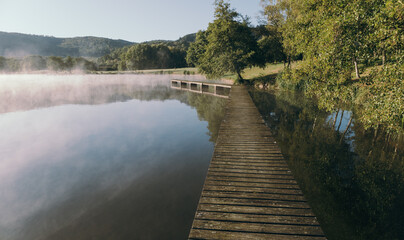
353, 179
90, 159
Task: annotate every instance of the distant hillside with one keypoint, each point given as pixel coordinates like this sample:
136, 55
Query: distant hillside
21, 45
182, 42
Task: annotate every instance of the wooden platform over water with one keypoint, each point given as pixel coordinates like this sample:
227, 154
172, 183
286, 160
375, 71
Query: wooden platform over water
210, 88
249, 191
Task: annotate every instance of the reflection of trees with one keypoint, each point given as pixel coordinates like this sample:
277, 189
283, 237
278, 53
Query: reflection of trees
32, 98
210, 109
356, 194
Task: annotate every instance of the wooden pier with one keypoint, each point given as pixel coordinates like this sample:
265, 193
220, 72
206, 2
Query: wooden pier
215, 89
249, 191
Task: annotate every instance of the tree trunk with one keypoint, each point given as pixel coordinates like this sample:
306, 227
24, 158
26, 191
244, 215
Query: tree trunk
314, 125
395, 151
375, 136
373, 141
335, 120
346, 130
239, 75
340, 121
386, 141
356, 67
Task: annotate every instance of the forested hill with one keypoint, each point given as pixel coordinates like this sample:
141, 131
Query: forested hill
182, 42
156, 54
21, 45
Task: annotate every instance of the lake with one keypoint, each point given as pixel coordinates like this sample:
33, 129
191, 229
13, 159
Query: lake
352, 178
102, 156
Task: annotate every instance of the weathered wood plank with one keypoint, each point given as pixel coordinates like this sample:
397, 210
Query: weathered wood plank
268, 196
255, 180
254, 202
256, 209
230, 235
248, 175
250, 184
260, 165
245, 189
291, 229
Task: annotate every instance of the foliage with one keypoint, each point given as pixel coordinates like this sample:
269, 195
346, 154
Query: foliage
158, 54
270, 45
383, 103
197, 49
2, 62
228, 45
339, 40
145, 56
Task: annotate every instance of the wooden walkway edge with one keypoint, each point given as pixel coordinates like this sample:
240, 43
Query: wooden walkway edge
249, 191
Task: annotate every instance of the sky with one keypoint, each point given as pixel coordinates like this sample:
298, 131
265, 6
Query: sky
131, 20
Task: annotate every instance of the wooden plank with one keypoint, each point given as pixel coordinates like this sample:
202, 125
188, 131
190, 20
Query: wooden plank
246, 189
248, 175
254, 202
254, 180
256, 209
274, 167
267, 196
249, 191
270, 227
251, 184
232, 235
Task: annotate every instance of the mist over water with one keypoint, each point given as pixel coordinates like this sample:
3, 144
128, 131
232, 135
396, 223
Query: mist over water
28, 91
101, 157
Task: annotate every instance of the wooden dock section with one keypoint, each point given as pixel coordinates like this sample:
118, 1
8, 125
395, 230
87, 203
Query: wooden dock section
209, 88
249, 191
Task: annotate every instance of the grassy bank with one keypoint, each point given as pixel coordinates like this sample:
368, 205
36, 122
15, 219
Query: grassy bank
258, 74
185, 71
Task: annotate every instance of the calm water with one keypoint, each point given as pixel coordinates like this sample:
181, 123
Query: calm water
353, 178
102, 157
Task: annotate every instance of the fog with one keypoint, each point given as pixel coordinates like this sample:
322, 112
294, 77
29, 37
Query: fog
19, 92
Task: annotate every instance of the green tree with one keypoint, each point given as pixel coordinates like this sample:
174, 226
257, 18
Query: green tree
152, 56
55, 63
2, 63
270, 44
197, 49
33, 63
69, 63
230, 45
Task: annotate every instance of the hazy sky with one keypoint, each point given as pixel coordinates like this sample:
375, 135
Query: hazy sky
132, 20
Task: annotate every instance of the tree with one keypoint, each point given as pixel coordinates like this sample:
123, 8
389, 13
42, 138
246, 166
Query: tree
2, 63
55, 63
33, 63
69, 63
197, 49
270, 44
230, 45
